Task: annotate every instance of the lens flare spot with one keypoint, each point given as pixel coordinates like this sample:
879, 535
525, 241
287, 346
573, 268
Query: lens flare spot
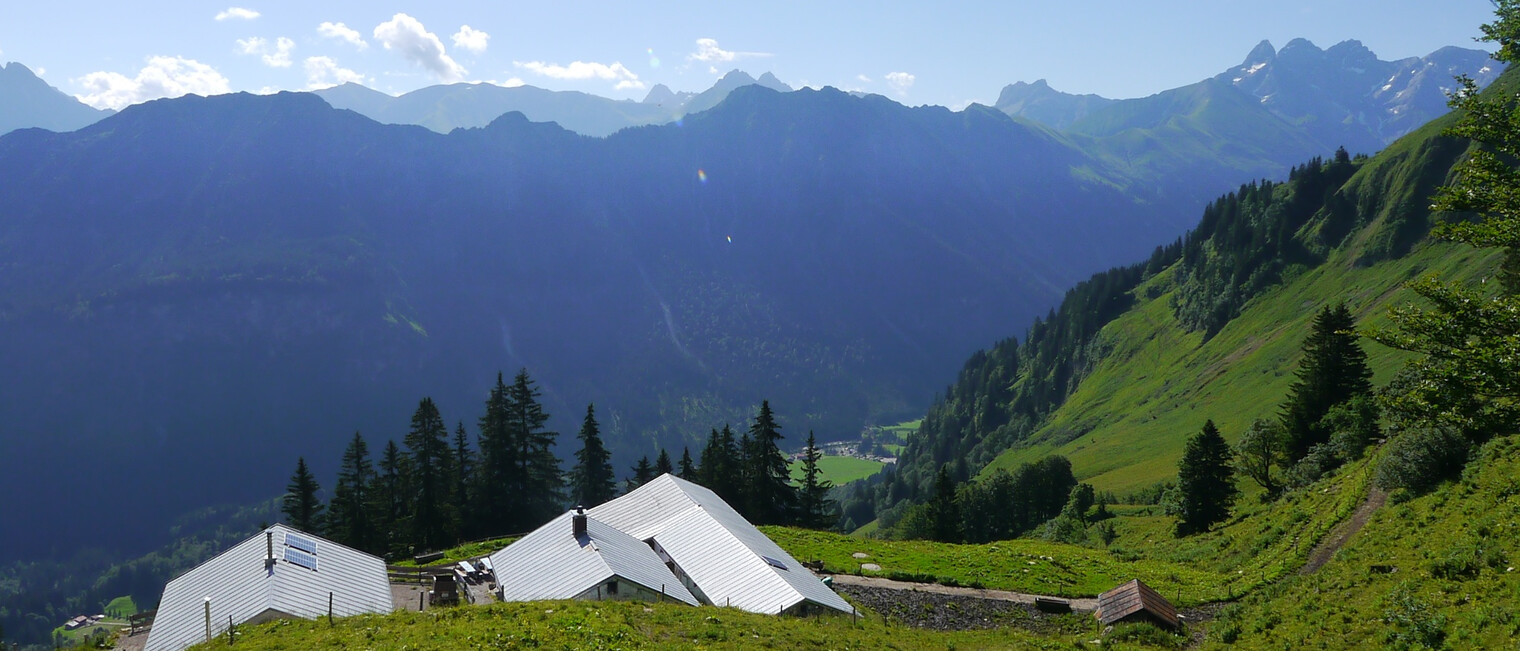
654, 61
702, 176
730, 239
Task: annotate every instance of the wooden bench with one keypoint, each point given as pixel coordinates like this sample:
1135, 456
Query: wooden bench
140, 622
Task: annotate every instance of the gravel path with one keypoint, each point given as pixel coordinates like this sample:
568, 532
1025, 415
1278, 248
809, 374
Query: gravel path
1079, 605
1344, 531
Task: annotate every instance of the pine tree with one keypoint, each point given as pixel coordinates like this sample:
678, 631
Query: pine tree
945, 512
1205, 481
814, 508
387, 503
434, 524
591, 480
1333, 370
662, 464
771, 498
348, 516
300, 505
642, 473
686, 469
539, 481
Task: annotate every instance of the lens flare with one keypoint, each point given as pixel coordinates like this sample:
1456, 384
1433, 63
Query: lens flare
730, 239
702, 176
654, 61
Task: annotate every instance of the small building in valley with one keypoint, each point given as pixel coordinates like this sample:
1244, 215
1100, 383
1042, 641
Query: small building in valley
1136, 602
279, 573
577, 557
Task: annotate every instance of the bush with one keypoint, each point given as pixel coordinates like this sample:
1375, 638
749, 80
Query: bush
1414, 624
1419, 459
1314, 466
1144, 634
1064, 529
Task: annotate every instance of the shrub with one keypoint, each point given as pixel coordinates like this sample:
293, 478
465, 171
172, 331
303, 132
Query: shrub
1314, 466
1419, 459
1414, 623
1145, 634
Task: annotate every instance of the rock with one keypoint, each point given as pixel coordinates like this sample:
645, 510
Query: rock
870, 567
860, 555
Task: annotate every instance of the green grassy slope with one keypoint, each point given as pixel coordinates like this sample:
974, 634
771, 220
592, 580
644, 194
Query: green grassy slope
840, 470
1437, 571
1125, 426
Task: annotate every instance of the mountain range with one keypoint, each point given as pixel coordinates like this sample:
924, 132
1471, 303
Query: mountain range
28, 101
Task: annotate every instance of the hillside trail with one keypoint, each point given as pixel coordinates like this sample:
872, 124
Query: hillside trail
1343, 532
1079, 605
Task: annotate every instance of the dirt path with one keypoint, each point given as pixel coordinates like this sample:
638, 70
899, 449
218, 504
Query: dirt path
1344, 531
1079, 605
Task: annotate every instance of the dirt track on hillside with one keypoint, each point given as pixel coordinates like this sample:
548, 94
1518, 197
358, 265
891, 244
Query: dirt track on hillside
1344, 531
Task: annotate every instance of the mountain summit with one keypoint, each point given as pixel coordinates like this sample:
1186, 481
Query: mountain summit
28, 101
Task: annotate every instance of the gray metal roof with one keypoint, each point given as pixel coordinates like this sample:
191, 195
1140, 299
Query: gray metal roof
552, 563
239, 585
722, 553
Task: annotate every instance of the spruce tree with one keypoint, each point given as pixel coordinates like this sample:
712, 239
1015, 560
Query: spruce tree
591, 480
944, 511
499, 511
387, 502
434, 524
463, 498
300, 505
642, 473
662, 464
539, 481
814, 508
771, 498
1205, 481
1333, 370
348, 516
685, 469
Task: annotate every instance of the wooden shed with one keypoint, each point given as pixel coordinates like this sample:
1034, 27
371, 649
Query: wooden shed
1136, 602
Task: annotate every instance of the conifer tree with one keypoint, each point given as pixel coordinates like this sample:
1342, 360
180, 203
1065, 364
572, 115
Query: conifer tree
685, 469
662, 464
944, 511
1334, 370
433, 520
771, 498
591, 480
463, 498
1205, 481
814, 508
642, 473
300, 505
497, 477
539, 481
348, 516
387, 497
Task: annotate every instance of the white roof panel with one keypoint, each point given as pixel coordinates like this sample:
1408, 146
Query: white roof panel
552, 563
240, 586
723, 553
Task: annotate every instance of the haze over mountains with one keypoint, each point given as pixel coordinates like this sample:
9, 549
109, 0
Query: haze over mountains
195, 291
28, 101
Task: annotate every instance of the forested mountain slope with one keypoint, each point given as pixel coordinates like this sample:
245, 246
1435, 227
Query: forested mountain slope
1211, 327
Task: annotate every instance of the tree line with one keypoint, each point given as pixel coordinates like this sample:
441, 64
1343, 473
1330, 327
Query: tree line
436, 489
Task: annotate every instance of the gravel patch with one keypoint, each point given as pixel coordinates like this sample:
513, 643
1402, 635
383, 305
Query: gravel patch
943, 612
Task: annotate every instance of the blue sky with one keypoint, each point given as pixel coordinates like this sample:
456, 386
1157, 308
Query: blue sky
947, 53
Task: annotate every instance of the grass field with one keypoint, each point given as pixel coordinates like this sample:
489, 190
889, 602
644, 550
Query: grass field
121, 607
840, 470
1125, 426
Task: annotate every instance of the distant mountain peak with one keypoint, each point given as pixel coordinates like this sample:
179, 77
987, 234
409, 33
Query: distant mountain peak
770, 81
26, 100
1262, 53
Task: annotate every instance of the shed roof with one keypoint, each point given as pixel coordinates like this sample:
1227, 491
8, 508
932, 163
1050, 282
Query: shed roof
731, 562
241, 585
562, 565
1135, 598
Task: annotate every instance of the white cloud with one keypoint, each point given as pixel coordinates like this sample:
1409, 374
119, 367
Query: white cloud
343, 33
237, 13
586, 70
709, 52
863, 79
324, 72
900, 82
471, 39
406, 35
276, 57
162, 77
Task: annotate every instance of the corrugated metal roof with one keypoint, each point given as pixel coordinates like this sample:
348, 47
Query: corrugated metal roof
722, 553
1132, 599
551, 563
239, 585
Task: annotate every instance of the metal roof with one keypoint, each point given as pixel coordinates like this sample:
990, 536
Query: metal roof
551, 563
239, 585
724, 555
1136, 598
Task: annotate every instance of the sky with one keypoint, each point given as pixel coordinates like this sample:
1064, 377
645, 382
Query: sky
947, 53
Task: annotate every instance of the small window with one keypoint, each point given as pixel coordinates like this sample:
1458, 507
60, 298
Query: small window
775, 563
612, 587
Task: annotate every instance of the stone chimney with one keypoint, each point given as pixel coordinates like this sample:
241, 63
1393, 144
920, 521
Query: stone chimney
578, 522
